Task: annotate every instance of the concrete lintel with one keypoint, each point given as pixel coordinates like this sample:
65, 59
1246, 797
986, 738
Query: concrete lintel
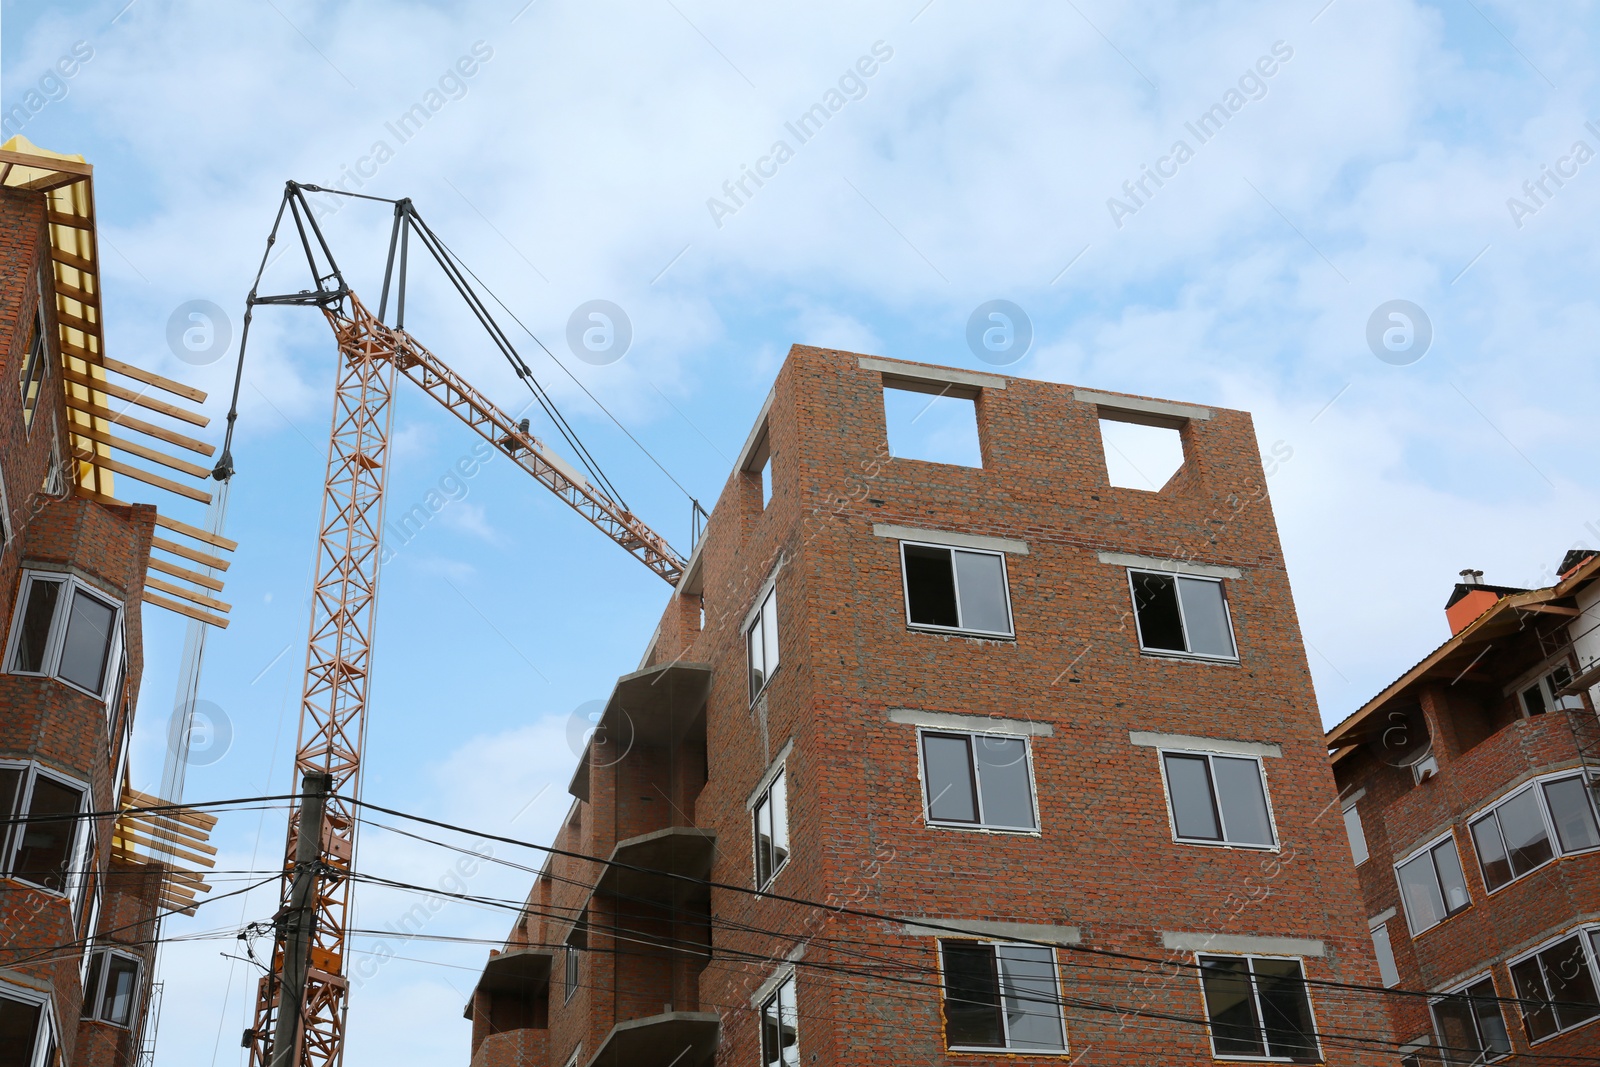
1164, 409
1242, 943
978, 724
950, 537
915, 375
1190, 743
1156, 563
1001, 931
1382, 917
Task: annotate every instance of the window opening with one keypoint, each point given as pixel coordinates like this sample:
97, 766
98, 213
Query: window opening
780, 1027
1218, 799
1182, 613
1258, 1007
1469, 1025
771, 824
1001, 996
761, 644
956, 589
935, 426
981, 780
1556, 988
1140, 456
1432, 886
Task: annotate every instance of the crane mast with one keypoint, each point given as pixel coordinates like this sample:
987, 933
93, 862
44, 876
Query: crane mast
302, 1000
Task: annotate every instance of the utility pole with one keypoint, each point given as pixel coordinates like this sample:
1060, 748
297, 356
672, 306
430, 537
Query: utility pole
299, 918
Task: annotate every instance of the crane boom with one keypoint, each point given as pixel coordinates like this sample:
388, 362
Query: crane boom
308, 976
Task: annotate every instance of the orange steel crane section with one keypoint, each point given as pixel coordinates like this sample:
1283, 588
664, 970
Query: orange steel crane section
307, 1027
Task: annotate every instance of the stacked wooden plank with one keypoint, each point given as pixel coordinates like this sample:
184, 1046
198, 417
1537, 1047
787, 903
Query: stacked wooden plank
98, 433
178, 838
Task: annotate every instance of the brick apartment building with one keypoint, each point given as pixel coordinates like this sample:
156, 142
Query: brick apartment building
1467, 788
79, 896
931, 763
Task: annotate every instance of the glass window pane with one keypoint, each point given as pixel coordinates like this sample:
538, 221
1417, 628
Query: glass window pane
771, 1034
769, 633
1242, 799
755, 649
1357, 835
778, 803
19, 1031
10, 785
1571, 812
1205, 618
1003, 780
1523, 828
46, 851
1458, 1036
91, 985
1419, 887
1032, 999
1285, 1009
1155, 603
122, 978
87, 646
945, 761
1537, 1015
1533, 700
1491, 1023
1230, 1006
763, 833
1385, 953
1189, 782
971, 996
34, 632
780, 1028
1492, 858
930, 586
1451, 880
1566, 973
981, 580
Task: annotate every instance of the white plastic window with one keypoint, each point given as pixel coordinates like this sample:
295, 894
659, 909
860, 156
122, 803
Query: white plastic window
44, 846
761, 644
780, 1026
1001, 996
1182, 614
67, 630
1432, 885
980, 780
956, 589
770, 819
1218, 800
28, 1024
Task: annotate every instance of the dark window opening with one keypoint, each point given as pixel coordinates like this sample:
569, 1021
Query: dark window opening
956, 589
1182, 613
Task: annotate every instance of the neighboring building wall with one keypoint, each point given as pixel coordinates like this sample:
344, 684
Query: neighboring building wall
840, 717
47, 726
1487, 747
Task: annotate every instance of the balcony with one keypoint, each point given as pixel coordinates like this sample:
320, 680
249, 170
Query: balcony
657, 708
512, 998
672, 1039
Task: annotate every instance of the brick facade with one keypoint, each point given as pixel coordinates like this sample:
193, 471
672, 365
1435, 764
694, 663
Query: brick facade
1465, 707
44, 722
671, 969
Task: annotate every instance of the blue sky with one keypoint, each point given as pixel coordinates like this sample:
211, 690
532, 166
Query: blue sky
976, 162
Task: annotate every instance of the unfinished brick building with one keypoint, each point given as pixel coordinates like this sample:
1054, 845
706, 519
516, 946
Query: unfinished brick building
942, 763
79, 896
1467, 788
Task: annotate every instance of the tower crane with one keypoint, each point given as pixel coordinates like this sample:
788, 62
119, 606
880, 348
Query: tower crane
302, 1000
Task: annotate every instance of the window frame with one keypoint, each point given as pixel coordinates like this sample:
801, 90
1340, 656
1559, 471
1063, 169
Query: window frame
77, 874
47, 1040
955, 586
1007, 1049
571, 973
1417, 853
980, 825
1552, 834
94, 999
1209, 755
35, 372
1227, 614
1375, 930
1499, 1006
758, 621
1255, 993
1585, 937
60, 620
776, 997
1358, 833
765, 798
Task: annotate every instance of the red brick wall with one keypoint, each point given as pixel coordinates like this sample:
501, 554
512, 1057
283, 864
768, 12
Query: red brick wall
1104, 859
